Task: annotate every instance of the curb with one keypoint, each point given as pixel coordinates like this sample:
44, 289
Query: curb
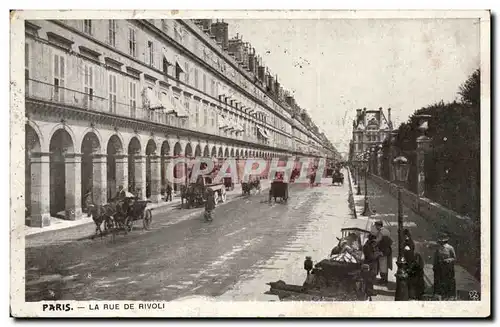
168, 205
350, 199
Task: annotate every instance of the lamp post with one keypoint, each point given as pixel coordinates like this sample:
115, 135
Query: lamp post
366, 211
358, 175
401, 169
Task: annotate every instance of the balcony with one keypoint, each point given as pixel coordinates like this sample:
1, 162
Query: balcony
38, 90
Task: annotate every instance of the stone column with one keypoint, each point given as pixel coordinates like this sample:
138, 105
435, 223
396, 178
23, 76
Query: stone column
73, 163
99, 187
155, 178
121, 162
140, 175
166, 163
423, 145
40, 189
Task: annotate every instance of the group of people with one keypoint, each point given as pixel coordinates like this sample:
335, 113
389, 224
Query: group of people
377, 253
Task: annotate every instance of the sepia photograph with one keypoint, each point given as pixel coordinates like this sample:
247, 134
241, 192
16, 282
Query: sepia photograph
266, 163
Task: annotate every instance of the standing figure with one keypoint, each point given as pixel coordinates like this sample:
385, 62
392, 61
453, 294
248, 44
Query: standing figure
372, 254
444, 269
384, 243
415, 264
88, 202
209, 205
168, 193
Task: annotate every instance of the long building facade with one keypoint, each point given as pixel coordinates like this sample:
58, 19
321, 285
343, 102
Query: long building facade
110, 102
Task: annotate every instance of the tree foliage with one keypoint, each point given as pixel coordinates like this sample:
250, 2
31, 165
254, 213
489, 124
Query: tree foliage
452, 176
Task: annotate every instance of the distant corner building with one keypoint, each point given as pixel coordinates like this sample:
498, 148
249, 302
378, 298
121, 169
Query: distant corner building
110, 102
369, 129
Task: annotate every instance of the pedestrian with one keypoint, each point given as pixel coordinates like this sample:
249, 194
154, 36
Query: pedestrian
210, 205
88, 202
384, 244
372, 255
168, 193
444, 269
415, 264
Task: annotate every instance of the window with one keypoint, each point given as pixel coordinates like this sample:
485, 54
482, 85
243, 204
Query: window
178, 71
205, 115
204, 83
132, 98
186, 72
196, 78
88, 86
59, 78
87, 26
212, 116
112, 93
27, 67
165, 66
212, 87
150, 55
112, 32
197, 114
132, 43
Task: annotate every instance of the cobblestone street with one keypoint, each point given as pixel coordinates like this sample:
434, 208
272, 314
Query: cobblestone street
183, 255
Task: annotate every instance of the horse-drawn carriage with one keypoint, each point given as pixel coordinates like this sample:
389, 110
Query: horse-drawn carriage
341, 277
278, 189
121, 214
196, 193
253, 183
337, 178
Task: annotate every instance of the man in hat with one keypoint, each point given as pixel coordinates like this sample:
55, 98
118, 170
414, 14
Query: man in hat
444, 268
415, 264
384, 244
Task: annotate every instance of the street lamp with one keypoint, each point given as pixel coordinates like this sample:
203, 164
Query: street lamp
366, 211
359, 159
401, 169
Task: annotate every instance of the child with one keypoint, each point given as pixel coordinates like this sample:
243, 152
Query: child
209, 205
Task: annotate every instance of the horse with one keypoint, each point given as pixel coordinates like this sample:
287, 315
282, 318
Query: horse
102, 214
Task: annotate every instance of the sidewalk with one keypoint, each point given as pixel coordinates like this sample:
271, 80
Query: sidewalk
61, 224
384, 206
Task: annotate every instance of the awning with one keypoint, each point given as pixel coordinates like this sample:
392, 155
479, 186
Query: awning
154, 102
168, 57
267, 134
167, 104
179, 62
223, 123
262, 132
181, 112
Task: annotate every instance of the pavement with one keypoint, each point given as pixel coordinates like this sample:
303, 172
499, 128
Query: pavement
58, 223
249, 243
384, 206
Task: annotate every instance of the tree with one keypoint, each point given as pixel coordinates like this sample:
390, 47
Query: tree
470, 91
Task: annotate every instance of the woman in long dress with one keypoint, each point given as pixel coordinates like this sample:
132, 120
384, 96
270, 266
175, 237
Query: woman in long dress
444, 269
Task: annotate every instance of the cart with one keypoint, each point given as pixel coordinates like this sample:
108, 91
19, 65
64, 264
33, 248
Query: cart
341, 277
228, 183
279, 189
253, 183
338, 178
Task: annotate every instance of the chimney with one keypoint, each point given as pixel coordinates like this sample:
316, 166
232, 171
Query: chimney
358, 113
220, 31
389, 116
261, 73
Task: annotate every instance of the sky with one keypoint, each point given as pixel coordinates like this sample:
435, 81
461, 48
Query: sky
335, 66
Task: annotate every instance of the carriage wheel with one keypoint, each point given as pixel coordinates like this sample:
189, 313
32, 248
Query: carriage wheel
223, 197
148, 218
125, 225
216, 198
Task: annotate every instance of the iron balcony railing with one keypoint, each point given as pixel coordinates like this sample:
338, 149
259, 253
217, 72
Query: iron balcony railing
39, 90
